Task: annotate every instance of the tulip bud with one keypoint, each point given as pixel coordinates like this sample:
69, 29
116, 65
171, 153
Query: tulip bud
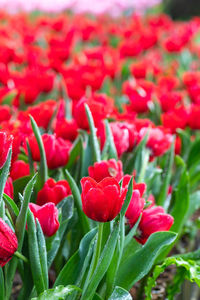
109, 168
56, 149
5, 142
153, 219
19, 169
53, 192
47, 216
8, 190
102, 201
8, 243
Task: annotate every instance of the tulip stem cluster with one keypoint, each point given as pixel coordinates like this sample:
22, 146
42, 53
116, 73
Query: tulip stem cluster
20, 256
98, 246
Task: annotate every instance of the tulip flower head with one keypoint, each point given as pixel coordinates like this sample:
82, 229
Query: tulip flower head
53, 192
8, 243
102, 201
109, 168
47, 216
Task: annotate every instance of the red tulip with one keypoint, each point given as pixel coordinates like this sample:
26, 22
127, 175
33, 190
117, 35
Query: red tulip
19, 169
120, 136
135, 207
8, 243
53, 192
158, 141
56, 149
153, 219
66, 129
6, 143
47, 216
137, 203
109, 168
102, 201
8, 190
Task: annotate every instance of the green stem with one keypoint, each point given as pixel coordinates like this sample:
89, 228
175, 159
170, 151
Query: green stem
20, 256
98, 247
144, 166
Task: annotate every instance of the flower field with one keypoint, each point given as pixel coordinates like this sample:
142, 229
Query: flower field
100, 157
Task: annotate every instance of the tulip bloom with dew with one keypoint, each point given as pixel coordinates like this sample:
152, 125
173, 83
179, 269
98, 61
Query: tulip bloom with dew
47, 216
8, 243
102, 201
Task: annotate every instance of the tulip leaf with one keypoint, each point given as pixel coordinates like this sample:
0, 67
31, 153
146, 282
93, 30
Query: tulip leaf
166, 176
128, 197
132, 232
19, 185
193, 157
74, 152
3, 177
77, 199
43, 171
9, 97
2, 287
102, 266
34, 255
110, 141
137, 265
59, 292
94, 141
194, 203
30, 159
135, 159
75, 264
66, 207
191, 272
180, 202
12, 207
20, 230
42, 253
120, 294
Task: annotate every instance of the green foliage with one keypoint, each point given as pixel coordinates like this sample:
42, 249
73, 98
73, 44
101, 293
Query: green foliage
190, 270
58, 293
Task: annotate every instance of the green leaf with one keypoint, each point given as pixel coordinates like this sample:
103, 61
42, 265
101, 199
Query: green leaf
166, 176
110, 141
2, 287
128, 197
132, 232
135, 159
74, 265
34, 255
60, 292
77, 199
185, 143
137, 265
42, 254
194, 203
102, 266
192, 272
66, 206
120, 294
3, 177
19, 185
12, 207
43, 171
19, 230
94, 141
74, 152
180, 200
193, 157
8, 99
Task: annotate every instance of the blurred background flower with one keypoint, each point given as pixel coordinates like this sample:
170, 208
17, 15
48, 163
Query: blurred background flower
114, 7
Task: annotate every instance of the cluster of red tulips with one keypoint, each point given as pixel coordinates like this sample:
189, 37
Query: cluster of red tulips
99, 167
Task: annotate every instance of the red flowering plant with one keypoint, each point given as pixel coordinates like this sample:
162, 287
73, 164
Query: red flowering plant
99, 162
